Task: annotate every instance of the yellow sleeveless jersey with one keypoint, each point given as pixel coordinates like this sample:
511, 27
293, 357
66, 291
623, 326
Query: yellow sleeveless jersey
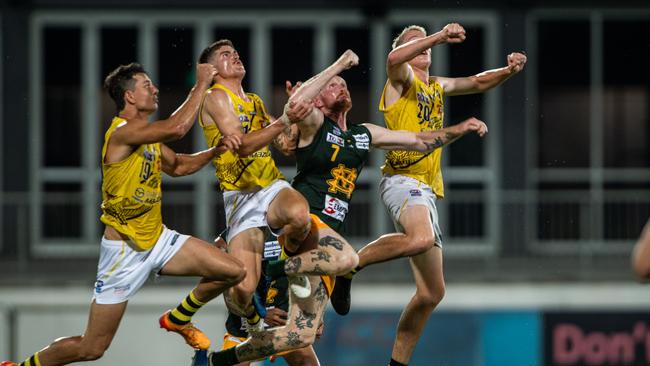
236, 173
419, 109
131, 193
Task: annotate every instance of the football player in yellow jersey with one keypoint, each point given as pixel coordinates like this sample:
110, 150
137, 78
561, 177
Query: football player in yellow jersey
132, 160
412, 100
256, 195
320, 251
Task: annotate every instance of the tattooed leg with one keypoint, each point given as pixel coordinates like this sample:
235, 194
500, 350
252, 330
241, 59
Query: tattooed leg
304, 318
332, 256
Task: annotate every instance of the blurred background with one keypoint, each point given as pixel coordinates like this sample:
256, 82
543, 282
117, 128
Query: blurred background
539, 218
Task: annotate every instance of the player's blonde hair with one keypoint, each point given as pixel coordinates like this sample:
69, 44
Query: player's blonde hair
399, 39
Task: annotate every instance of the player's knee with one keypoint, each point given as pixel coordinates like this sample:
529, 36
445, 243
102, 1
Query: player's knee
342, 261
349, 261
242, 294
421, 244
430, 299
299, 217
236, 275
93, 351
231, 275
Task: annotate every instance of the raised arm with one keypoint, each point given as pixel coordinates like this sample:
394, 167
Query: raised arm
307, 91
177, 165
312, 87
486, 80
397, 66
174, 127
423, 141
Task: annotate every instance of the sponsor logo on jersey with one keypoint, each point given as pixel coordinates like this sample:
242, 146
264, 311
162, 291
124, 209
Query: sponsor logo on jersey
336, 131
363, 145
362, 137
335, 139
241, 107
362, 141
415, 193
335, 207
272, 249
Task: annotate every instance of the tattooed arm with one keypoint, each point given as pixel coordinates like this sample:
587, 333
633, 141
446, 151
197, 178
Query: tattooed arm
287, 141
423, 141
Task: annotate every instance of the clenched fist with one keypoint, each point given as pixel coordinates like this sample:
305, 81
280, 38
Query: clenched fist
348, 59
205, 73
473, 124
516, 61
453, 33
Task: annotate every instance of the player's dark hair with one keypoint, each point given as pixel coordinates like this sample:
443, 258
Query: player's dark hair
120, 80
211, 49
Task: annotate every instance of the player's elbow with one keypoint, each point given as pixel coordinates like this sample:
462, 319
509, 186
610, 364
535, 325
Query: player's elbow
179, 172
175, 133
393, 60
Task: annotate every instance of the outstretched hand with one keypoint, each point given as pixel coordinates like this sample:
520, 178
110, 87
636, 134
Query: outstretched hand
516, 61
473, 124
453, 33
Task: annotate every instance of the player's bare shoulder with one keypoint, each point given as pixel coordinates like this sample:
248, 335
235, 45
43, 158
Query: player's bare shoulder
217, 102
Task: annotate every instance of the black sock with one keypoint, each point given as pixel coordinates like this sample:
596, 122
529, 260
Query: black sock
395, 363
226, 357
275, 269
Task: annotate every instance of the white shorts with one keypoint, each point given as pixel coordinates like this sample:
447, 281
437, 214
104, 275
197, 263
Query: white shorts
122, 271
245, 210
399, 192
